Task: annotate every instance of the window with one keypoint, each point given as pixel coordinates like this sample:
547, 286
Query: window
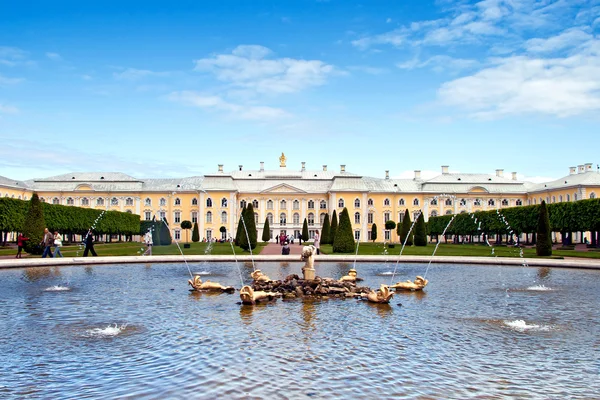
177, 217
323, 205
311, 204
491, 202
322, 218
386, 202
162, 215
477, 202
433, 202
357, 218
541, 200
592, 195
99, 201
177, 234
560, 198
114, 201
386, 234
448, 202
224, 217
194, 201
177, 201
370, 202
415, 202
269, 204
70, 201
311, 219
209, 234
568, 197
519, 202
209, 217
296, 205
282, 219
504, 202
242, 203
434, 213
85, 201
194, 217
270, 218
129, 201
209, 202
341, 203
55, 200
223, 202
386, 217
255, 204
548, 199
534, 201
147, 215
356, 235
147, 202
43, 200
574, 196
255, 218
369, 236
448, 212
369, 218
283, 205
401, 202
356, 203
463, 202
296, 218
416, 215
163, 202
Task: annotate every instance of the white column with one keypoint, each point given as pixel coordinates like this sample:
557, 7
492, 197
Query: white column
137, 205
364, 215
426, 208
201, 214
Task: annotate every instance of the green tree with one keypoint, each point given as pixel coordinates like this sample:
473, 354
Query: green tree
326, 231
248, 241
344, 237
404, 228
33, 226
390, 225
305, 230
187, 225
165, 233
195, 233
156, 228
543, 247
420, 231
334, 227
374, 232
240, 228
266, 236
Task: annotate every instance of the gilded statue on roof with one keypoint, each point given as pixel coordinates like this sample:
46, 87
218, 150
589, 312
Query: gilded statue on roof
282, 160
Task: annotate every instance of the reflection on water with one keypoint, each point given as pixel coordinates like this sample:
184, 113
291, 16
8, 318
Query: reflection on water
123, 332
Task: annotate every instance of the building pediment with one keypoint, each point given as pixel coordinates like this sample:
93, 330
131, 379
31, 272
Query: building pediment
283, 188
478, 189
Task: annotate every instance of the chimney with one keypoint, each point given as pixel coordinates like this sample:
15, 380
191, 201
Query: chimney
514, 176
387, 174
580, 169
572, 170
588, 167
262, 166
444, 169
303, 166
241, 166
500, 173
342, 168
220, 167
417, 174
324, 167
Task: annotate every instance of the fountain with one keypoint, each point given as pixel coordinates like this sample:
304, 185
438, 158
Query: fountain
401, 285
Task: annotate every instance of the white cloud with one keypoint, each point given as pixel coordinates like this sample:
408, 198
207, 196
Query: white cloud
86, 77
8, 109
568, 39
389, 20
216, 103
13, 56
248, 67
54, 56
135, 74
439, 63
9, 81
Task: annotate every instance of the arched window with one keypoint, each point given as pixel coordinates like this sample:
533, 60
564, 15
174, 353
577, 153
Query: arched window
223, 202
322, 218
296, 219
547, 199
270, 218
194, 201
148, 202
415, 202
194, 216
70, 201
448, 202
477, 202
592, 195
386, 202
114, 201
357, 218
433, 202
177, 217
56, 200
356, 203
177, 201
560, 198
296, 205
519, 202
208, 202
282, 219
491, 202
541, 200
43, 200
463, 202
255, 218
269, 204
554, 199
162, 202
311, 204
99, 201
401, 202
129, 201
369, 218
341, 203
224, 217
434, 213
209, 217
323, 205
534, 201
370, 202
568, 197
574, 196
415, 215
85, 201
504, 202
128, 212
283, 205
448, 212
242, 203
311, 219
255, 204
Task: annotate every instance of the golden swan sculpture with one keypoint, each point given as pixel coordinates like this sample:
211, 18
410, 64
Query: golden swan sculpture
250, 296
381, 296
258, 276
418, 284
198, 285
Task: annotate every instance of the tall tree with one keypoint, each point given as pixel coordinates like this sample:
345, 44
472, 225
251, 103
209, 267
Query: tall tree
305, 230
420, 231
543, 247
240, 228
187, 225
326, 230
344, 237
374, 232
33, 226
334, 227
248, 236
266, 236
404, 228
195, 233
165, 233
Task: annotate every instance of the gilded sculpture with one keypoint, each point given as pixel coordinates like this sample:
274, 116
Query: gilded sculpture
418, 284
198, 285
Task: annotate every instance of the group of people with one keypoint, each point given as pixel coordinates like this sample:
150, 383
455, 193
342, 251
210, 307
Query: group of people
284, 241
54, 240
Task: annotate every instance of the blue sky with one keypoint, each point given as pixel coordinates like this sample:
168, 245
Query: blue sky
171, 89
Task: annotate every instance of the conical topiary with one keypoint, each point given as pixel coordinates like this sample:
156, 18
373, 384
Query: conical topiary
543, 247
420, 231
195, 233
334, 226
248, 241
404, 228
266, 236
33, 226
326, 230
344, 237
374, 232
305, 230
240, 228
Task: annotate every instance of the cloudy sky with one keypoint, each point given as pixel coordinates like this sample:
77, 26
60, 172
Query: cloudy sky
171, 89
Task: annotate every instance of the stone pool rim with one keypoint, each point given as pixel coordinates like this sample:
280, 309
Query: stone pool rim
499, 261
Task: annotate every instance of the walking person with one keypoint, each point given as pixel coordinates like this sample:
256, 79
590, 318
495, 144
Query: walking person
149, 243
89, 244
317, 242
47, 242
57, 244
20, 243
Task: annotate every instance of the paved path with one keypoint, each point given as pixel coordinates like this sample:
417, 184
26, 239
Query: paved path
273, 249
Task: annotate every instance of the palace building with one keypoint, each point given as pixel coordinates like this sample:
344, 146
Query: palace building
286, 196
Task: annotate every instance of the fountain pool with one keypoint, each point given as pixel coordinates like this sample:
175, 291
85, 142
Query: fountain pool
136, 330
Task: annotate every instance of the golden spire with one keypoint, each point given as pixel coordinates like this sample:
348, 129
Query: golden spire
282, 160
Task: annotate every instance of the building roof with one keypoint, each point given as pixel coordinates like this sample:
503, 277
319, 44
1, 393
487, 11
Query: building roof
90, 177
589, 178
7, 182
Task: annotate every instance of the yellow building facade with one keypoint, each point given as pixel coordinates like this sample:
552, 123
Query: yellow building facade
286, 196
